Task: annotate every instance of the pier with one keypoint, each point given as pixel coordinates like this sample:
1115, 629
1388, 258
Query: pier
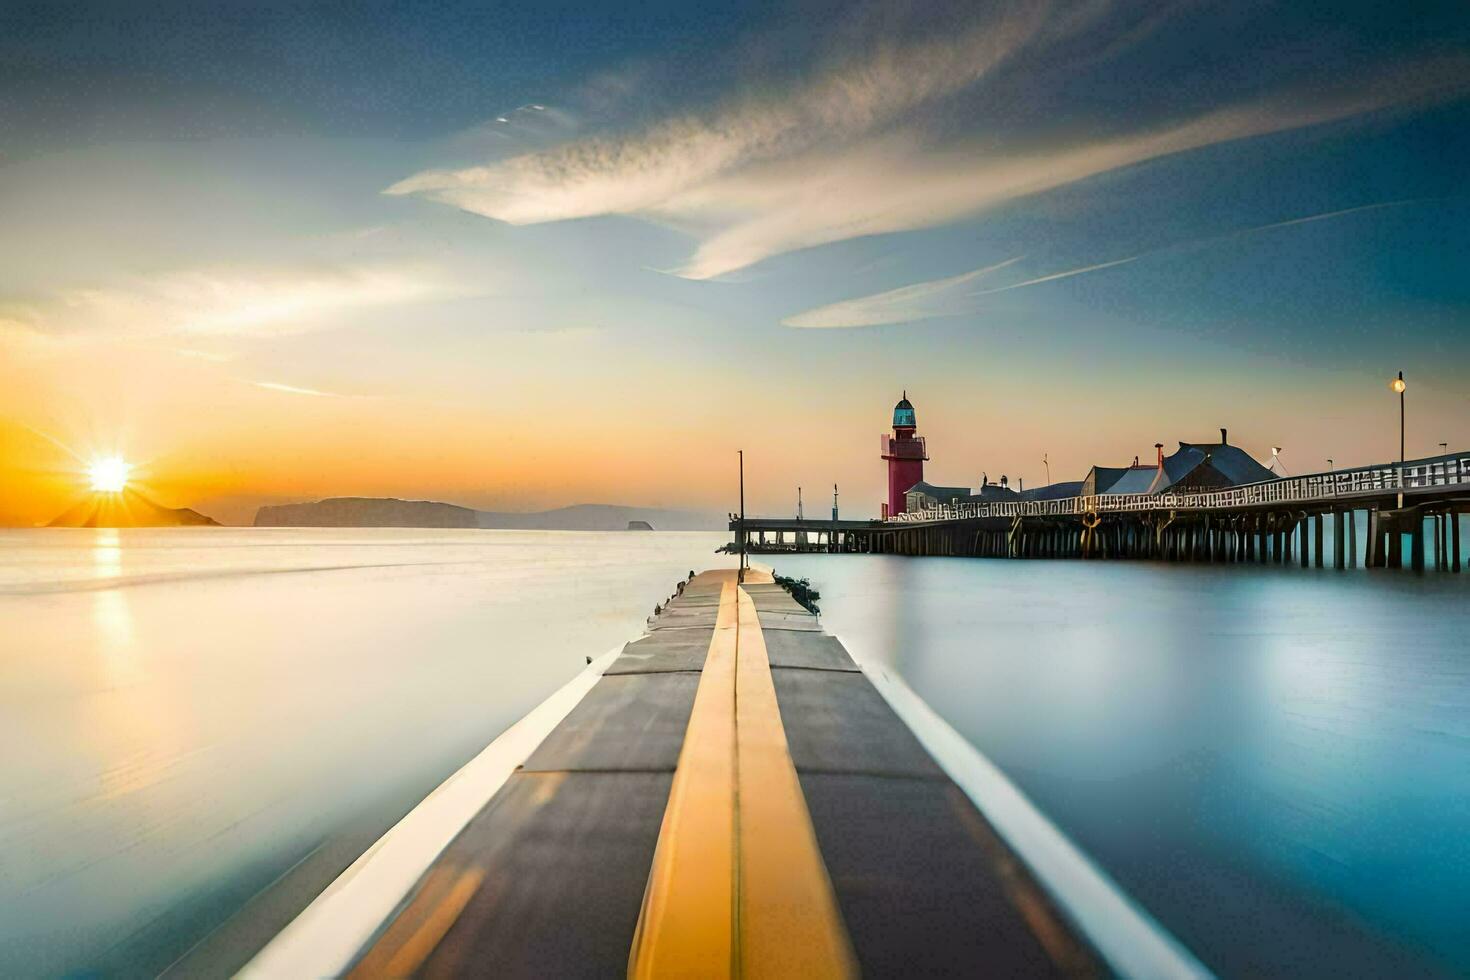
730, 794
1409, 510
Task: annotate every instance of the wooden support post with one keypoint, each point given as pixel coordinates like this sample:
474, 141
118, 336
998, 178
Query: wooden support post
1454, 519
1317, 539
1339, 541
1352, 542
1395, 545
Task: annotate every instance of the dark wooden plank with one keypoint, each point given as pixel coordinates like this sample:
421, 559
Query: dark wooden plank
778, 620
788, 648
628, 721
683, 619
664, 650
924, 886
837, 721
565, 859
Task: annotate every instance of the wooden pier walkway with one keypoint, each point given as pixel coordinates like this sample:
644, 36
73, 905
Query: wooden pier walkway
1411, 514
730, 796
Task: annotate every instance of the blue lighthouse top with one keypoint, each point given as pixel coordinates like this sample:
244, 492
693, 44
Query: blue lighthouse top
903, 413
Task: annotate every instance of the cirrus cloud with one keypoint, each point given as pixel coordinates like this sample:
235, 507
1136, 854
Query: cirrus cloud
865, 146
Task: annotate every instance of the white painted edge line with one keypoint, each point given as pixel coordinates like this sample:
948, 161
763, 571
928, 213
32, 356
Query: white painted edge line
326, 937
1130, 940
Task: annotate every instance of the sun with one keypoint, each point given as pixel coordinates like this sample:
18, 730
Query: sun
109, 475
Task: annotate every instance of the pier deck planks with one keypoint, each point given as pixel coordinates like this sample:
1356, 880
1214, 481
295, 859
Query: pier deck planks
550, 878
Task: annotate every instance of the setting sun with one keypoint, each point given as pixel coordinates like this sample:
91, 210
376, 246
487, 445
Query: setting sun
109, 475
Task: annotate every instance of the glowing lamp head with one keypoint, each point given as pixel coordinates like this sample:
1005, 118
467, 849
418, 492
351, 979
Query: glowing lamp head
1397, 384
109, 475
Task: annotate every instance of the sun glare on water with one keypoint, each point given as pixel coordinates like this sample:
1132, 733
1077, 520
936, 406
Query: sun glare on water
109, 475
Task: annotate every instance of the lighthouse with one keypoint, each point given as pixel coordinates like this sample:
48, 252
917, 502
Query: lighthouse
904, 451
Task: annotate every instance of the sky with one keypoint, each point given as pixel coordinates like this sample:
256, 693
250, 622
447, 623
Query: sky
526, 256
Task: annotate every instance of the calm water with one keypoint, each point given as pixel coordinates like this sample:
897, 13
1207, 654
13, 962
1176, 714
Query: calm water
1276, 762
189, 715
200, 727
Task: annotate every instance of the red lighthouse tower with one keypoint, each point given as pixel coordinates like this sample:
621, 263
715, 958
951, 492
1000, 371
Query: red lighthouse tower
905, 454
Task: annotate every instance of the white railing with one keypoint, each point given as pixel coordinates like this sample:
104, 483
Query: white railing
1317, 488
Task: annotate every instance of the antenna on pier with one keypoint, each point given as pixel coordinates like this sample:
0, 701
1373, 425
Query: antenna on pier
798, 504
834, 503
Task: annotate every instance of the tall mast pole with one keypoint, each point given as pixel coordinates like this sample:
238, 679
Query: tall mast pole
740, 576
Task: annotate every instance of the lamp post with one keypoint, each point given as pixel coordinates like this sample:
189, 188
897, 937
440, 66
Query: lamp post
1047, 463
1397, 384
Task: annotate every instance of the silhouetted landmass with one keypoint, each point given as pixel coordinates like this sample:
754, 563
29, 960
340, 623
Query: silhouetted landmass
366, 512
391, 512
639, 526
128, 509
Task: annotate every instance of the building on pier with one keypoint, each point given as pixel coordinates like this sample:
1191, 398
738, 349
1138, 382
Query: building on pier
1206, 466
1194, 466
922, 495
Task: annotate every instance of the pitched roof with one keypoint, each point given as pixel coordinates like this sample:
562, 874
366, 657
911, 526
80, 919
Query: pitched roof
1103, 477
1053, 491
1135, 479
937, 492
1231, 462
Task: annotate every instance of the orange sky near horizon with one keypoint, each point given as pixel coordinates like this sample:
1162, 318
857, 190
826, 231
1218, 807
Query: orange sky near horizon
655, 434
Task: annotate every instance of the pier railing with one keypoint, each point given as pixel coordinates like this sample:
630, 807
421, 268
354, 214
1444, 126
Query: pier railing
1317, 488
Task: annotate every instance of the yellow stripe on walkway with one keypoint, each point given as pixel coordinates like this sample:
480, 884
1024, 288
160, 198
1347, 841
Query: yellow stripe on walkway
738, 887
789, 922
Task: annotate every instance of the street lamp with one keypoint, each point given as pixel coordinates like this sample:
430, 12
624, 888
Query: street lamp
1397, 384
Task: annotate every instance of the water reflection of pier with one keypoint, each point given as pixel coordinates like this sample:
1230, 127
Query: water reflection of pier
1414, 507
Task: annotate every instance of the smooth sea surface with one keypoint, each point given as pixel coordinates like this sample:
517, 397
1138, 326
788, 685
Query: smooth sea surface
200, 727
1274, 761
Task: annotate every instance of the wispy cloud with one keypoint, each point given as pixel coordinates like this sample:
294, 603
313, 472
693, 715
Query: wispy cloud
947, 297
855, 150
905, 304
294, 390
237, 301
647, 171
1052, 277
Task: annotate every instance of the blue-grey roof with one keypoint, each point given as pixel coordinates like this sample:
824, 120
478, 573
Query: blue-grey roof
1135, 479
1234, 464
992, 492
1104, 477
938, 493
1054, 491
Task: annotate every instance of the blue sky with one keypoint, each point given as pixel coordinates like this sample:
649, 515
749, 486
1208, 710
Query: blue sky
1076, 229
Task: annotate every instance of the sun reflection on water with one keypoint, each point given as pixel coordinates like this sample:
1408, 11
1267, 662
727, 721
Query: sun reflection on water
110, 613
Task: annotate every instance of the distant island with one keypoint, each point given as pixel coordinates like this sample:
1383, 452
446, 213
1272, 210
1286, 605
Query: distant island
392, 512
128, 509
